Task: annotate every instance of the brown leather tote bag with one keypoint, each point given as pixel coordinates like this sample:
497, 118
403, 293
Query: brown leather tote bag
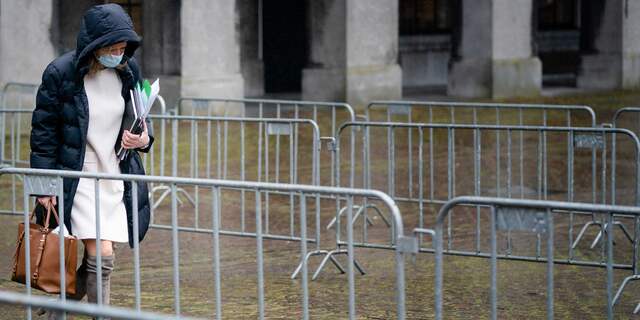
45, 257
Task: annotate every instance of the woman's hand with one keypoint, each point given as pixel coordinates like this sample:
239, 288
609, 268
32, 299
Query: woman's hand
136, 141
47, 202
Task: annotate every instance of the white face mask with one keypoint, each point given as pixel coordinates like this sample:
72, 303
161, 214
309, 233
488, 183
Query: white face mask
110, 60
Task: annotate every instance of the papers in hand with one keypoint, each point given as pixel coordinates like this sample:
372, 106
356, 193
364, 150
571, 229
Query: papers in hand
142, 97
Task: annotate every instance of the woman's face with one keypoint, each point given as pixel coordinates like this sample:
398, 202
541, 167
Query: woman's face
116, 49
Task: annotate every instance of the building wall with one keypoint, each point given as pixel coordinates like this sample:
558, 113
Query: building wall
25, 40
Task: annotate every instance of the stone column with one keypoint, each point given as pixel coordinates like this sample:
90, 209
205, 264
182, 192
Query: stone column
614, 58
324, 78
210, 51
25, 40
495, 54
372, 51
354, 49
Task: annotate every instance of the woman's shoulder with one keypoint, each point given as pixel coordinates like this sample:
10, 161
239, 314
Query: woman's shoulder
62, 67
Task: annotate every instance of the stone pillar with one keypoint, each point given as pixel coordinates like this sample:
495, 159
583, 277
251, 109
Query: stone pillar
210, 51
354, 49
613, 61
324, 78
372, 51
25, 40
495, 56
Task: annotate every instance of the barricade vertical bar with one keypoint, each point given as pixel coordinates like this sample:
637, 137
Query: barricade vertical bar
453, 155
98, 243
570, 181
410, 148
498, 176
420, 180
609, 235
226, 142
550, 259
509, 244
13, 164
259, 257
494, 266
136, 243
477, 156
266, 179
291, 196
431, 163
391, 170
175, 247
242, 177
215, 205
174, 148
351, 259
449, 182
27, 244
208, 164
509, 173
62, 234
277, 155
539, 165
196, 173
303, 254
438, 265
544, 159
259, 160
521, 122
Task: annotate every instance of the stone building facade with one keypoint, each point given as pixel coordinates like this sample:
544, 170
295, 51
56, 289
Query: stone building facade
349, 50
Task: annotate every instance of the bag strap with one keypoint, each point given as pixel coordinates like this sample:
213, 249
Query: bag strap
17, 252
40, 252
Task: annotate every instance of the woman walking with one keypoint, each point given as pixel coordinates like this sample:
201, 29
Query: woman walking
78, 124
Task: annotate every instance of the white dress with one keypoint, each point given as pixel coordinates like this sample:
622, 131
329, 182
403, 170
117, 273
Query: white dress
106, 108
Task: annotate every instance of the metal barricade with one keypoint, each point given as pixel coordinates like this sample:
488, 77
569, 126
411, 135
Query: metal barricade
530, 216
481, 113
72, 307
554, 163
328, 115
211, 157
50, 182
16, 99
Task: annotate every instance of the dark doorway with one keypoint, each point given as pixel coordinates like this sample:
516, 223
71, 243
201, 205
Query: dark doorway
284, 44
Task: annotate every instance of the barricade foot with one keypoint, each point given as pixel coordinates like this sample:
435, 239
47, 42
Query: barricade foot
615, 223
329, 256
621, 289
582, 232
317, 253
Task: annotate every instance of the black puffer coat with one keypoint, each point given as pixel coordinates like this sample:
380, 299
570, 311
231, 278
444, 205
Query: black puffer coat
61, 118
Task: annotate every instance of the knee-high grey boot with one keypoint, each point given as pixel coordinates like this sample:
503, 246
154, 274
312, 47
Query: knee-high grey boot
92, 280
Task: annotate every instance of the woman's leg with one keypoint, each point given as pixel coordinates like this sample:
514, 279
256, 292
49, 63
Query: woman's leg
106, 250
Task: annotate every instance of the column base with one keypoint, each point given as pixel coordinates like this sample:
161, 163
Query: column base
222, 86
600, 71
631, 71
484, 78
323, 84
517, 78
368, 83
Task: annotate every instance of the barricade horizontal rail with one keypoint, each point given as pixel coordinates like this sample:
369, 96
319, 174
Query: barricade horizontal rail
534, 216
50, 182
469, 113
598, 165
73, 307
